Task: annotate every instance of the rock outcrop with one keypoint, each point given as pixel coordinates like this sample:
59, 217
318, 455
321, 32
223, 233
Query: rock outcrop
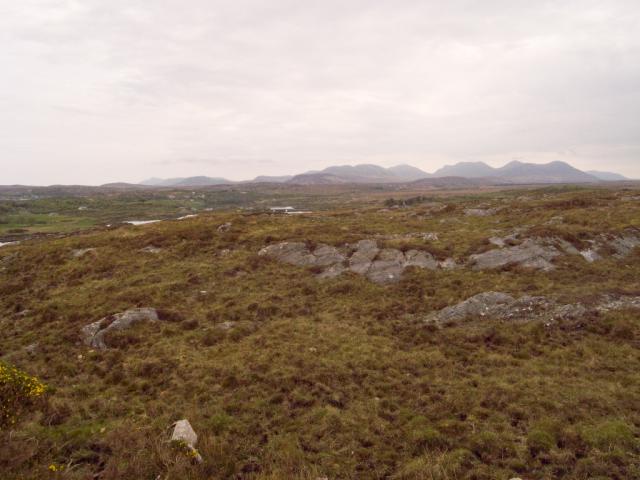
364, 258
386, 265
94, 333
501, 306
539, 253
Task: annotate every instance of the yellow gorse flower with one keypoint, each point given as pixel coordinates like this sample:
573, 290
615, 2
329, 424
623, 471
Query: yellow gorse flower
18, 390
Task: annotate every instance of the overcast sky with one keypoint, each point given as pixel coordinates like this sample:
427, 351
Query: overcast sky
95, 91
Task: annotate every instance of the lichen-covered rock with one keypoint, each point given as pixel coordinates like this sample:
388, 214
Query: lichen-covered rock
94, 333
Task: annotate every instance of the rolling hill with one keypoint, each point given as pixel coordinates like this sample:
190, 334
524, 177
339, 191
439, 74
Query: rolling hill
514, 172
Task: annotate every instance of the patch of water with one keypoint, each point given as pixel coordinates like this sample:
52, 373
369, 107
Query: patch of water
141, 222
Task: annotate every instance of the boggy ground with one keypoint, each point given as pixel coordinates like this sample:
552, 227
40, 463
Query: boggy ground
284, 375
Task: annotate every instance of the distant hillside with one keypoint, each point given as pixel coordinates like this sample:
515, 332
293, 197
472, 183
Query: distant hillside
466, 169
554, 172
272, 179
317, 179
607, 176
519, 172
199, 181
362, 173
407, 172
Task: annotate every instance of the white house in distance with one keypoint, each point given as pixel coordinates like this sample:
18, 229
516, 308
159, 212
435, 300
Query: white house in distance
282, 209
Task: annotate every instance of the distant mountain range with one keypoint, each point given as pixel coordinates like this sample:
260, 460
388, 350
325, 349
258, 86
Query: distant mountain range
512, 173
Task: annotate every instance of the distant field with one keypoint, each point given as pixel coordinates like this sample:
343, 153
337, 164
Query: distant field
286, 375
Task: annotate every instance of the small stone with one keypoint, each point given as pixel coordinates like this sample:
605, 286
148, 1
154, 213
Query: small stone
81, 252
184, 433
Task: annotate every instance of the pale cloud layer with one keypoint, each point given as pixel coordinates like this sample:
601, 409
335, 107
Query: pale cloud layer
94, 91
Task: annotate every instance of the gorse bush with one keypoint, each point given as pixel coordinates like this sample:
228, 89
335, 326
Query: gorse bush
18, 392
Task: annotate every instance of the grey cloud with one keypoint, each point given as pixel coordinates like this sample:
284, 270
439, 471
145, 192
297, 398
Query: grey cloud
165, 85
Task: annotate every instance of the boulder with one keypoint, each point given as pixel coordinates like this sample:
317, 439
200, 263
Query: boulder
94, 333
225, 227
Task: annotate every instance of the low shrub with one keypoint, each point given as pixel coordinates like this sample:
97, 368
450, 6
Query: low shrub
19, 392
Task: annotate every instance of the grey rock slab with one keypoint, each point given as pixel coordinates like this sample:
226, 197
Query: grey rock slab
295, 253
482, 304
94, 333
530, 253
500, 306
